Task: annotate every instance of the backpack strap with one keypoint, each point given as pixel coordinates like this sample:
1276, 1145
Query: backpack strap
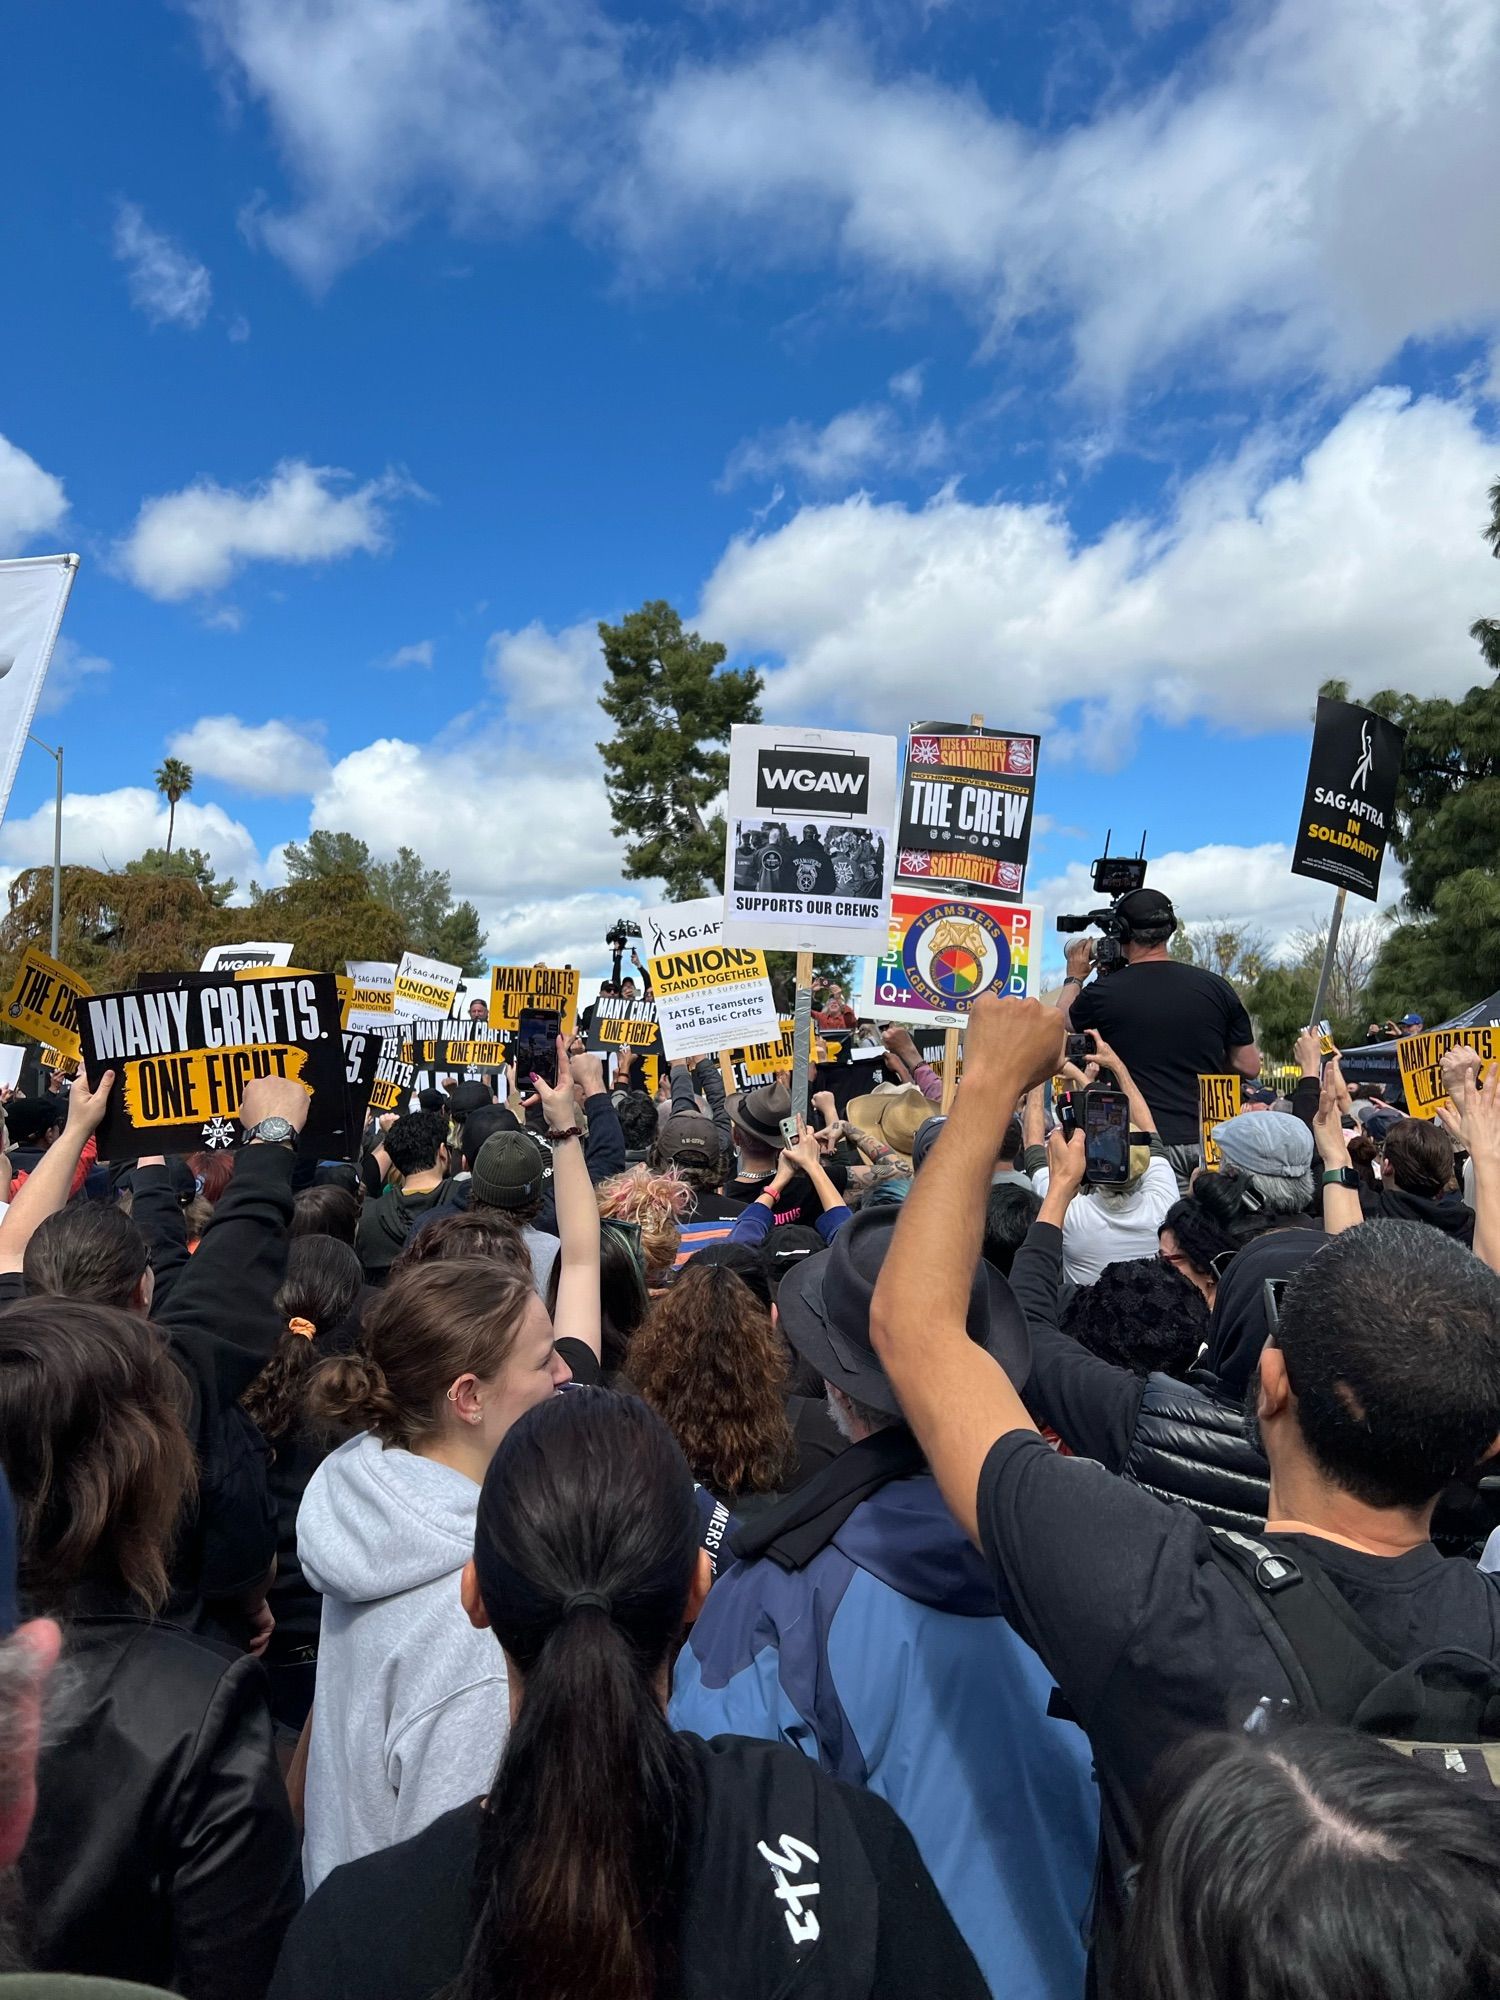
1330, 1657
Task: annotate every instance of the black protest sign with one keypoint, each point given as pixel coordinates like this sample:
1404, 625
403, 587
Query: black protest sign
183, 1054
623, 1024
847, 1080
453, 1045
1349, 807
363, 1049
966, 807
391, 1090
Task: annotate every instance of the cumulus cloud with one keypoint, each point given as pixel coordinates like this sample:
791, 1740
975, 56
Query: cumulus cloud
386, 109
851, 446
274, 759
107, 829
32, 502
1361, 561
166, 284
197, 539
543, 674
1309, 194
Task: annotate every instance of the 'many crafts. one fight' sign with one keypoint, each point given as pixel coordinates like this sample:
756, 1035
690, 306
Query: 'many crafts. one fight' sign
1349, 807
43, 1000
544, 989
622, 1024
1219, 1099
966, 807
810, 839
1421, 1062
183, 1053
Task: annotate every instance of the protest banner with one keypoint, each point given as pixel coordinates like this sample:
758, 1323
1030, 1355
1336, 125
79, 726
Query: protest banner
1420, 1058
33, 597
761, 1060
940, 954
810, 839
372, 1002
966, 805
244, 957
423, 987
453, 1045
544, 989
1219, 1097
391, 1090
622, 1024
345, 986
54, 1061
1349, 805
183, 1053
363, 1049
43, 1002
709, 995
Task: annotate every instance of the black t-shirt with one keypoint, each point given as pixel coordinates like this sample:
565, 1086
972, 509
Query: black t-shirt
1169, 1024
1147, 1638
395, 1924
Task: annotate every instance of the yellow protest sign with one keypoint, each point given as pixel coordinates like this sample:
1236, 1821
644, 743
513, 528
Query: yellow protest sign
1420, 1058
546, 989
1218, 1099
345, 987
423, 987
43, 1000
763, 1059
202, 1084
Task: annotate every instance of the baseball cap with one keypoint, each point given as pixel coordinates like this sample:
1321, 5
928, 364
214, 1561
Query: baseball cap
1257, 1094
1144, 909
1411, 1020
1273, 1144
688, 1139
509, 1171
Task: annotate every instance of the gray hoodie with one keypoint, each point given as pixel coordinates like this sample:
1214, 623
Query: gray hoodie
412, 1709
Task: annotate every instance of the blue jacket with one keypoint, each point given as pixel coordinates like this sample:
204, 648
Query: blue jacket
887, 1660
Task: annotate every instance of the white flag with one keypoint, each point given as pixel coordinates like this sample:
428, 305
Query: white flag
33, 594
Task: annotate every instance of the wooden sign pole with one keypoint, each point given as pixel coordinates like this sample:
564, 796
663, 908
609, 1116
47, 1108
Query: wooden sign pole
802, 1033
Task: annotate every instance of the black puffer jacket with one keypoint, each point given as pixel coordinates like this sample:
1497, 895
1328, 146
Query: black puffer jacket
1190, 1444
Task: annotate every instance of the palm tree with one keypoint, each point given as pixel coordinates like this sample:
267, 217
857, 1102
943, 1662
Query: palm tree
174, 780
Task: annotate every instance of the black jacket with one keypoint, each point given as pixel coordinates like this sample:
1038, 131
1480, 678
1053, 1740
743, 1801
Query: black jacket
850, 1914
163, 1848
603, 1154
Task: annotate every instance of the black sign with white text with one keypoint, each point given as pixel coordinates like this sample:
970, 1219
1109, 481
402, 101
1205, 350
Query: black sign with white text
795, 780
1350, 804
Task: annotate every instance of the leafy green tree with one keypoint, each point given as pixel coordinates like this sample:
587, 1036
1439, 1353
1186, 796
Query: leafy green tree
324, 854
191, 862
1487, 630
115, 926
421, 898
328, 918
1280, 1001
174, 780
670, 705
781, 968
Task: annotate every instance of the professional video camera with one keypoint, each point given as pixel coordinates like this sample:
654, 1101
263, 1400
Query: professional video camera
1115, 876
616, 938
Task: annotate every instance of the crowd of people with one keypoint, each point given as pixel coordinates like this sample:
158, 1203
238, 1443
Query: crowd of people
660, 1548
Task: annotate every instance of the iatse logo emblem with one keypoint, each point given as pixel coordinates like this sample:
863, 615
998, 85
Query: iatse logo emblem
823, 780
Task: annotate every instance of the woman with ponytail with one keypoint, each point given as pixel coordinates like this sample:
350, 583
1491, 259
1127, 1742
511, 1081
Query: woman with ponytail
411, 1702
612, 1859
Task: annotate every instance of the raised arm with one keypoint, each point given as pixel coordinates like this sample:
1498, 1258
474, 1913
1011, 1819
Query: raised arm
958, 1400
1341, 1205
1474, 1122
710, 1083
1141, 1119
46, 1188
578, 1308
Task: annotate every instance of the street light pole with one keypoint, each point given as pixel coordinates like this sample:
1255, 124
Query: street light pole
57, 755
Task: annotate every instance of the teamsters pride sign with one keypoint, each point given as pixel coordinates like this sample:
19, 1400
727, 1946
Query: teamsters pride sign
809, 848
183, 1053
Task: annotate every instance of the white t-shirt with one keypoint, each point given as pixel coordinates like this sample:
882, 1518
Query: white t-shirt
1099, 1231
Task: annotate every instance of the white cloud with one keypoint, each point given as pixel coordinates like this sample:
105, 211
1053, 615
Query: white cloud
197, 539
107, 829
166, 284
273, 759
386, 109
1361, 561
909, 383
32, 502
71, 668
561, 930
552, 679
1312, 192
419, 654
856, 443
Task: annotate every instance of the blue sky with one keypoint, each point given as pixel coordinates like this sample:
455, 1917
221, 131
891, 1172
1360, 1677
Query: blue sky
1121, 372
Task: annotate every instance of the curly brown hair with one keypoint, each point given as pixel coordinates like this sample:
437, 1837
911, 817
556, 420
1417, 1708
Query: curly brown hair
472, 1232
709, 1363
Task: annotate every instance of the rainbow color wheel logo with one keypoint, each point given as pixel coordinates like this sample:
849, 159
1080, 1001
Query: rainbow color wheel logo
952, 953
956, 972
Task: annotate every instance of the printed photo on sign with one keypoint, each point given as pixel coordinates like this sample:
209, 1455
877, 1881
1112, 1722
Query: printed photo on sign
372, 1000
546, 989
1219, 1097
1349, 805
244, 957
183, 1054
941, 954
1421, 1061
423, 987
966, 807
809, 849
43, 1002
709, 995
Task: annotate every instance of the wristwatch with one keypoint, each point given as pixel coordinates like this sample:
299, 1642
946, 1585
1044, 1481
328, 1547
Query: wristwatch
1073, 980
272, 1132
1340, 1177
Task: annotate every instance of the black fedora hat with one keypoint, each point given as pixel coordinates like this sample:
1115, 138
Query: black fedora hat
760, 1112
824, 1311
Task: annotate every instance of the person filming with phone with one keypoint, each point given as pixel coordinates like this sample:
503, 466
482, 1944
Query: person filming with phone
1171, 1022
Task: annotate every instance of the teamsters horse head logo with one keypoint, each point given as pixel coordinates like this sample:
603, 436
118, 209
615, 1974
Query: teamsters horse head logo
1360, 781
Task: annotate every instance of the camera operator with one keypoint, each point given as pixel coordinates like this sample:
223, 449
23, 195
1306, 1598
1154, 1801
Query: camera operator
1171, 1022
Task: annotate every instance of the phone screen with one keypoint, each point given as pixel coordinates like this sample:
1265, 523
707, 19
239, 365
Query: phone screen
536, 1046
1106, 1136
1081, 1047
